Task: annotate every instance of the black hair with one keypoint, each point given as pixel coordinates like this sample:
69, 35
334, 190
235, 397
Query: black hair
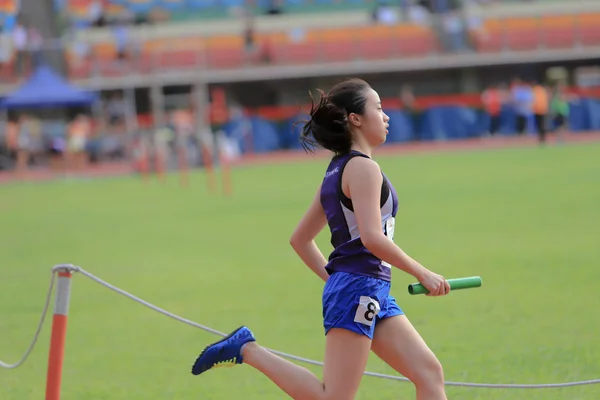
328, 124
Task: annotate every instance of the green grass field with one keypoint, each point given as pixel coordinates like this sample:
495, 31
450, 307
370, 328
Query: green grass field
526, 220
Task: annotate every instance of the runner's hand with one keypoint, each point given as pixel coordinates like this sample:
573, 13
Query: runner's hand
435, 284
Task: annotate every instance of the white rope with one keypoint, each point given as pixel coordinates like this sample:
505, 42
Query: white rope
313, 362
37, 331
282, 354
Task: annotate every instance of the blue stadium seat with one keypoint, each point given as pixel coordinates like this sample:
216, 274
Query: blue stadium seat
577, 117
290, 132
449, 122
402, 127
264, 134
593, 113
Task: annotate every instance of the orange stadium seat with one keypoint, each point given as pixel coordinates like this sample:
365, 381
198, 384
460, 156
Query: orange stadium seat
380, 42
77, 68
104, 51
339, 44
176, 59
347, 44
558, 31
415, 40
228, 51
489, 38
589, 29
224, 51
177, 53
285, 50
522, 33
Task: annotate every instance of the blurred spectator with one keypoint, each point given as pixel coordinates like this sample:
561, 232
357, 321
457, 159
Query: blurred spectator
78, 133
560, 109
12, 138
407, 99
121, 36
492, 99
116, 110
56, 150
275, 7
418, 14
408, 103
182, 121
96, 12
79, 49
6, 52
35, 43
19, 41
27, 132
384, 13
522, 100
161, 138
250, 47
540, 107
454, 31
441, 6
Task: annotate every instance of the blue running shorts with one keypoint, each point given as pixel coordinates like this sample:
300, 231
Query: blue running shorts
357, 303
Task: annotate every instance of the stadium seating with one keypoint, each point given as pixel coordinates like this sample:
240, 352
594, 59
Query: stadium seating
227, 51
528, 33
335, 43
589, 28
367, 42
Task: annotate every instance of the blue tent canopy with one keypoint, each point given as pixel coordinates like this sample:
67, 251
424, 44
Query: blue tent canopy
45, 88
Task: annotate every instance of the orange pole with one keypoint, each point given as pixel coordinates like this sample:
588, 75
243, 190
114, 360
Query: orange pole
59, 335
208, 166
226, 174
142, 161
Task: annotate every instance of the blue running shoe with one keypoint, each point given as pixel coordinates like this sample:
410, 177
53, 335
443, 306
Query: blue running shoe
224, 353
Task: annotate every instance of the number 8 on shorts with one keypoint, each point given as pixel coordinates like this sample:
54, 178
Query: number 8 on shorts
366, 311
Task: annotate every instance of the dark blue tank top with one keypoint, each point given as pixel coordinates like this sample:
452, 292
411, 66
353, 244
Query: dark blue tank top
349, 254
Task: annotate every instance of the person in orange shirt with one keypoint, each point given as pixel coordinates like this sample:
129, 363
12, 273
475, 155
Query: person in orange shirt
540, 107
12, 138
492, 100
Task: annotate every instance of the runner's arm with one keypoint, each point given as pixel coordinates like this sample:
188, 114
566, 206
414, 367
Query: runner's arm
364, 179
302, 240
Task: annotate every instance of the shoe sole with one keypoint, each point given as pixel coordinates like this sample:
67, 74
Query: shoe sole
213, 344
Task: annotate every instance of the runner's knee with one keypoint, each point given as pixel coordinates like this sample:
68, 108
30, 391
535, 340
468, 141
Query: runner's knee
429, 375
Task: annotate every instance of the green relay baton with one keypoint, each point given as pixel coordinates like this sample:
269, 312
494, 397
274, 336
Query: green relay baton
455, 284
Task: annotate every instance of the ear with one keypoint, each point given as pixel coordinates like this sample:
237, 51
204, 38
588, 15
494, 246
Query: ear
355, 119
